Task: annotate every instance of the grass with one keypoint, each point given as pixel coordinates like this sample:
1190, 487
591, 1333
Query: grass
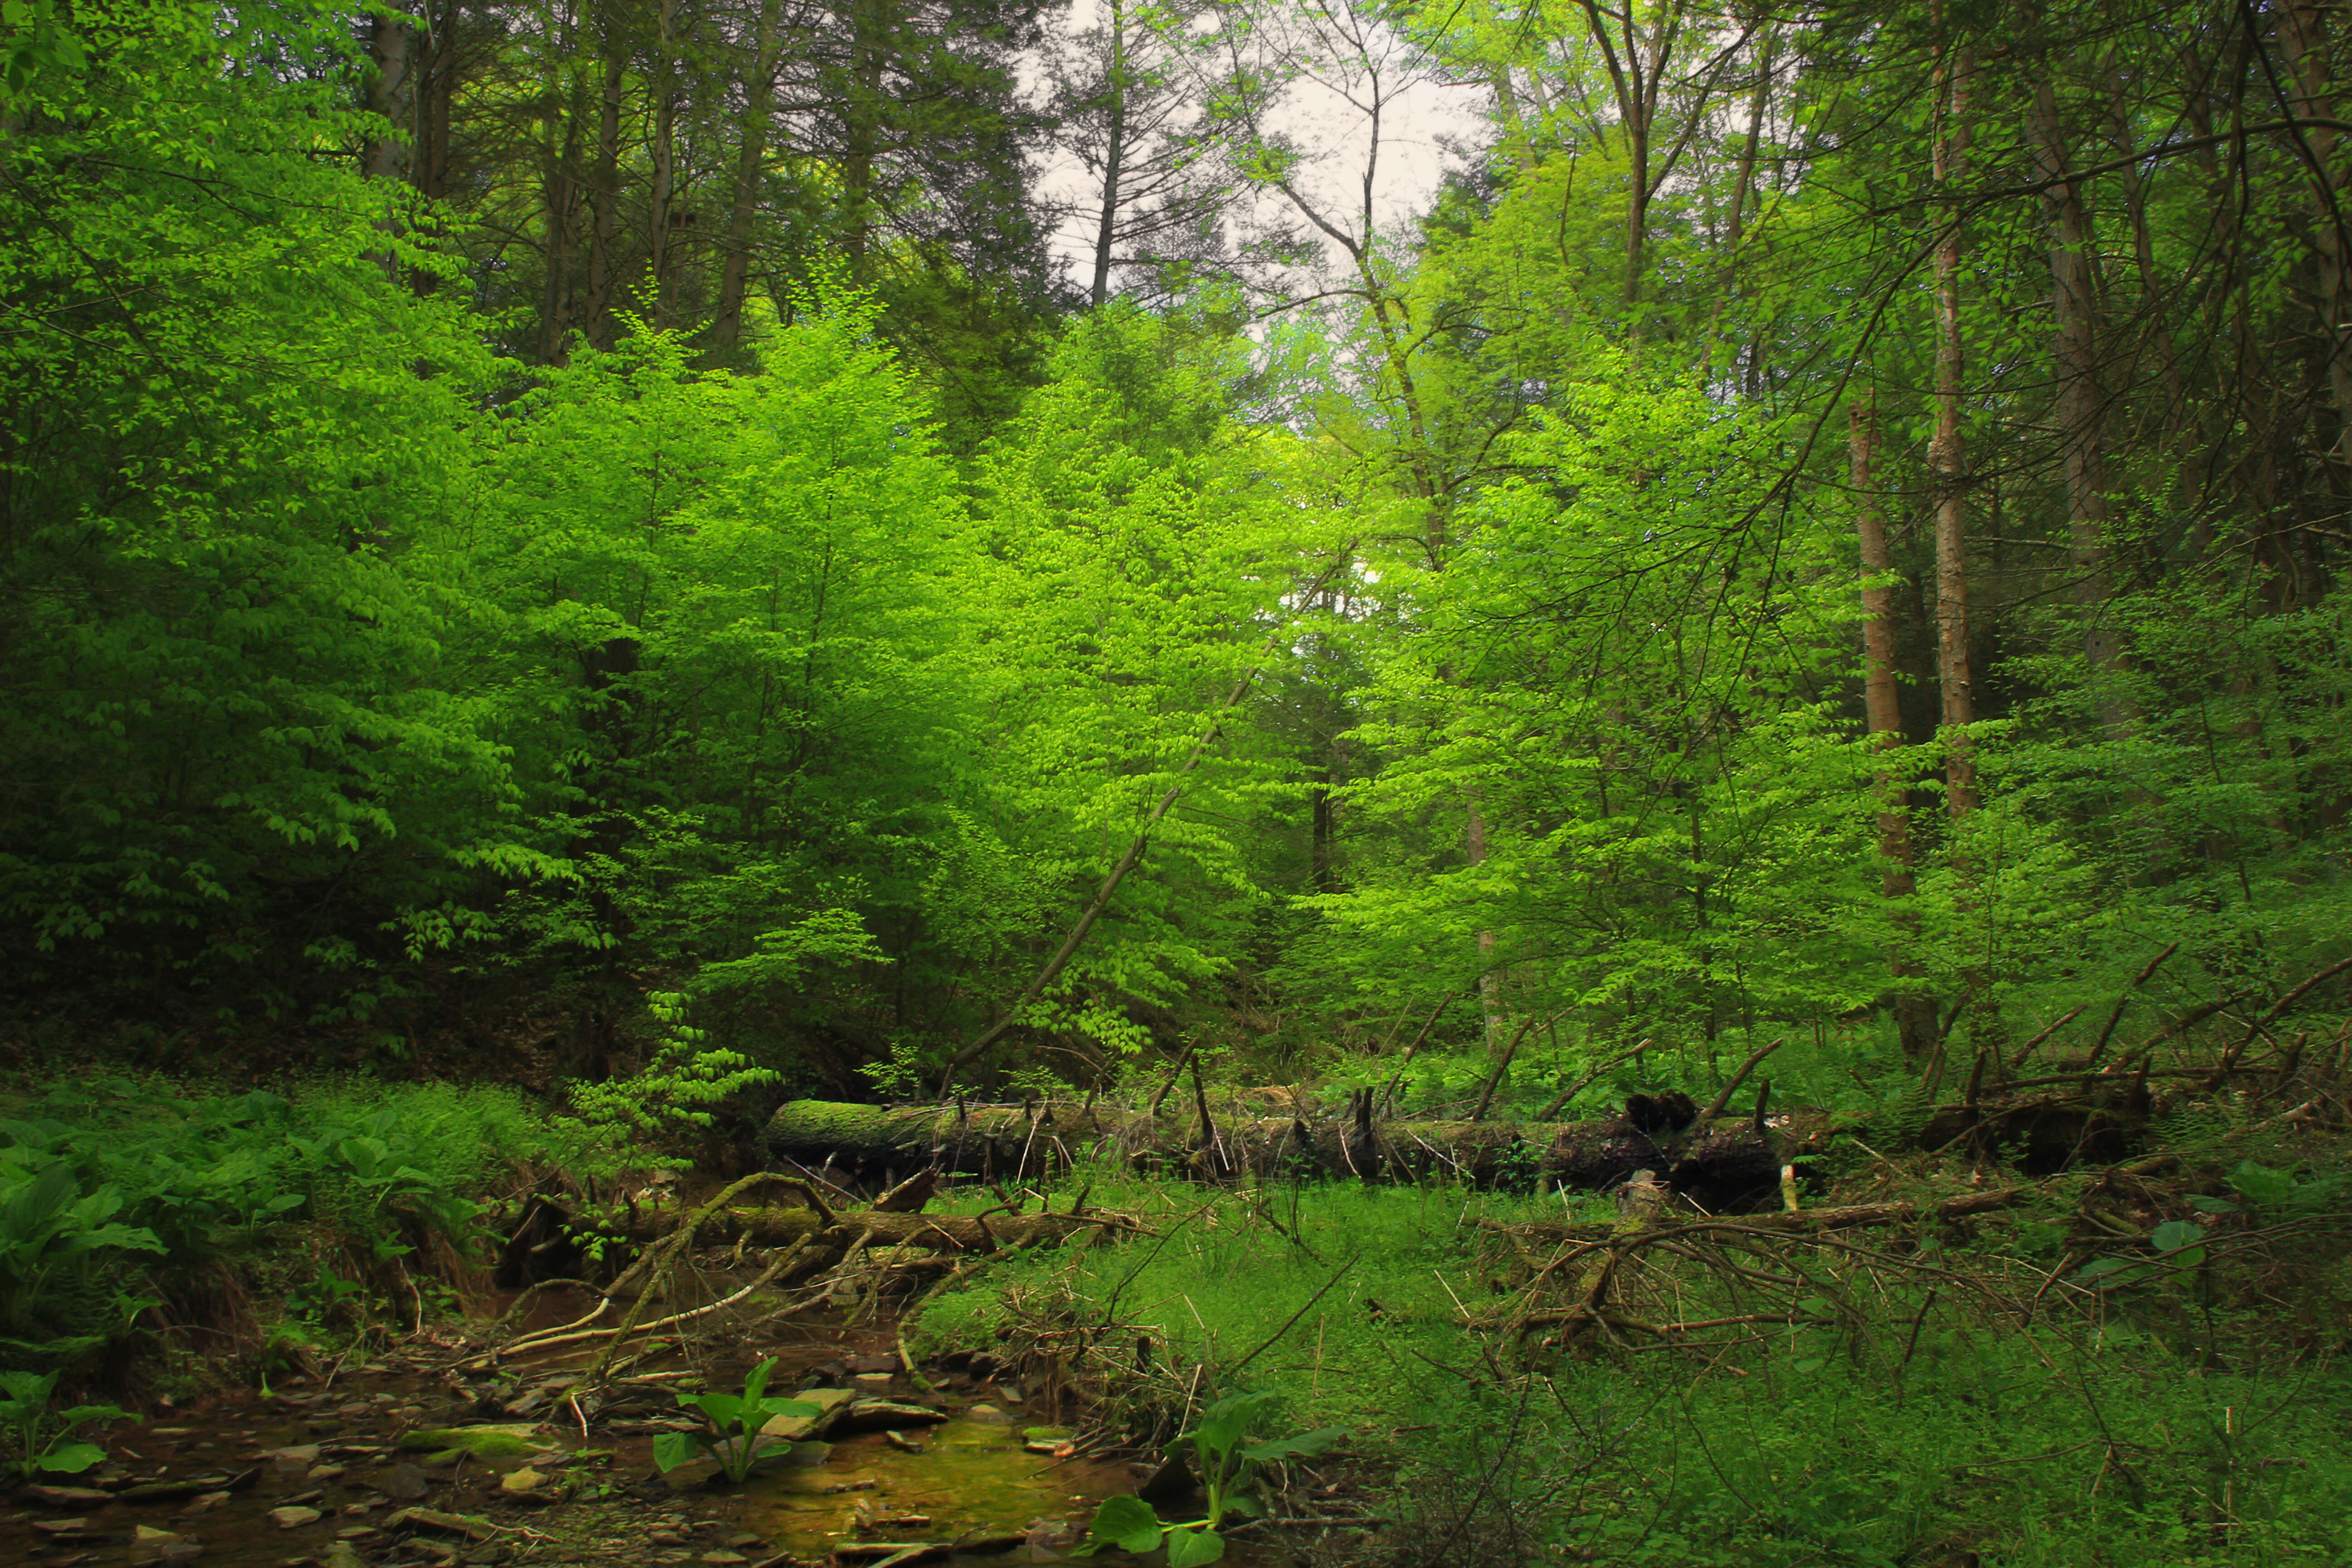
2166, 1422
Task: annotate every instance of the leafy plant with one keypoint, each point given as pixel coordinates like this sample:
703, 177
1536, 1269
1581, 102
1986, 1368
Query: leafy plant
1228, 1464
48, 1224
732, 1436
36, 1437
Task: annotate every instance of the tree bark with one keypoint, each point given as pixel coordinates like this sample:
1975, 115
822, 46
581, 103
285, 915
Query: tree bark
1914, 1014
605, 192
1114, 155
2303, 34
1955, 66
1725, 1162
2080, 404
664, 153
758, 96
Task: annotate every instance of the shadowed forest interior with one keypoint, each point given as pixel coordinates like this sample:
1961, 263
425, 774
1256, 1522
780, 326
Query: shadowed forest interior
1338, 631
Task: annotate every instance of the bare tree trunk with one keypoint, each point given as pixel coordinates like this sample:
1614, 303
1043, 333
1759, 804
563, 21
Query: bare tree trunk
562, 186
759, 95
1955, 65
1114, 155
1758, 98
605, 193
390, 97
861, 128
2080, 404
1914, 1014
665, 150
2302, 32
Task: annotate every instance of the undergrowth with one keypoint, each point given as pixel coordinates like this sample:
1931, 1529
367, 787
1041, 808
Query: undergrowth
2161, 1420
132, 1210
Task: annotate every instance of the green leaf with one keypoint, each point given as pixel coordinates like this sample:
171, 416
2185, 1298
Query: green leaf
1126, 1523
672, 1449
2175, 1234
1193, 1548
2262, 1183
71, 1458
1307, 1443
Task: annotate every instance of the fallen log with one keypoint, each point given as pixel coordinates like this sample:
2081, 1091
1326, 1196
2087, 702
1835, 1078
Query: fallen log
1727, 1162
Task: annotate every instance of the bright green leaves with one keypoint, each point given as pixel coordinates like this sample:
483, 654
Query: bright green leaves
33, 1437
1227, 1463
731, 1435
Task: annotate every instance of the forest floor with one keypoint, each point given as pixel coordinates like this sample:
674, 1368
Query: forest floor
2131, 1363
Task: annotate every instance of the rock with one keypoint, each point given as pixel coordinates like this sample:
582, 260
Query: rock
862, 1363
473, 1528
179, 1552
800, 1428
872, 1382
296, 1460
666, 1537
723, 1558
515, 1441
902, 1442
403, 1483
744, 1538
195, 1486
527, 1485
148, 1535
65, 1497
323, 1473
527, 1402
986, 1413
1044, 1445
876, 1414
63, 1527
341, 1554
291, 1518
201, 1505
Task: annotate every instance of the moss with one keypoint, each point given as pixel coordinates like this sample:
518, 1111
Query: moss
481, 1442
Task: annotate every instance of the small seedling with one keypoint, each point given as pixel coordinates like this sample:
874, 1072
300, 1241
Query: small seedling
1228, 1464
36, 1437
732, 1436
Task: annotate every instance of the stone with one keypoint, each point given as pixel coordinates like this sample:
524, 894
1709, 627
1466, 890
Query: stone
876, 1414
800, 1428
202, 1504
902, 1442
743, 1538
986, 1413
323, 1473
666, 1537
527, 1485
471, 1527
65, 1497
63, 1527
403, 1483
148, 1535
179, 1552
722, 1558
296, 1460
294, 1518
872, 1382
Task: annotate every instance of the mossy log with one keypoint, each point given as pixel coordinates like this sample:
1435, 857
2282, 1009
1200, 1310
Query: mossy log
766, 1226
1727, 1162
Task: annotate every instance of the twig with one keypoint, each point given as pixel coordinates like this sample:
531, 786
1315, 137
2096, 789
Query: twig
1587, 1081
2123, 1000
1739, 1078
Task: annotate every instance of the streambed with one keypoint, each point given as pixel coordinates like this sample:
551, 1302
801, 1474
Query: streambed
317, 1475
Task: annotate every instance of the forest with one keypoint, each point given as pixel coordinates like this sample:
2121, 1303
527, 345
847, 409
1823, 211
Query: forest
1482, 784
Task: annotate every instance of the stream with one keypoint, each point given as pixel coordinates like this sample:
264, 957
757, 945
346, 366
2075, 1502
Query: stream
316, 1472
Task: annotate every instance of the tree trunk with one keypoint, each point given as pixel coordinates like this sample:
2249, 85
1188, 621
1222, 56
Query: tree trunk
2079, 404
1914, 1014
1955, 65
2302, 33
605, 193
759, 93
665, 152
1723, 1162
1114, 155
863, 113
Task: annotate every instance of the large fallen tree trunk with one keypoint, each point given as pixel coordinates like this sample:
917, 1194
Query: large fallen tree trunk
1723, 1162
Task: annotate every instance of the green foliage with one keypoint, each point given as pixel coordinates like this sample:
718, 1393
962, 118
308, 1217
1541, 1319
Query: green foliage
732, 1426
35, 1437
1226, 1461
112, 1190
